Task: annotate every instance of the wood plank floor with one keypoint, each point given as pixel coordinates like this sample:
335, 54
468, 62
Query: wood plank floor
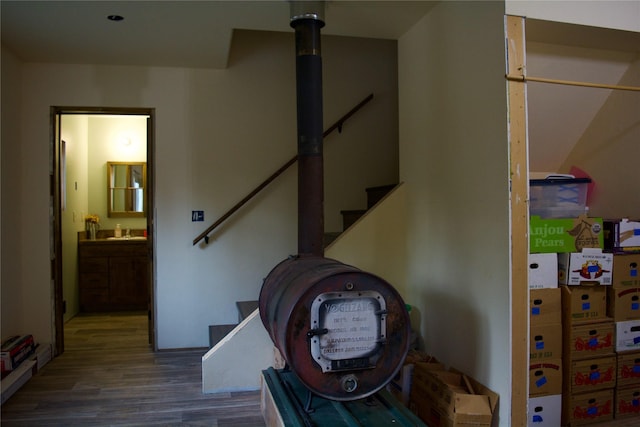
108, 375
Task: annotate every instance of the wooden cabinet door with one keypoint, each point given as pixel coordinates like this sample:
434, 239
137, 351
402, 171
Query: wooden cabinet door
128, 283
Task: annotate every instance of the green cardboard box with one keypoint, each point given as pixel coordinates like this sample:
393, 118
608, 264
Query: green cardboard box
563, 235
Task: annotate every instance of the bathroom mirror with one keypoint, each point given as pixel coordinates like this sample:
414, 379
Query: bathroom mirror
126, 189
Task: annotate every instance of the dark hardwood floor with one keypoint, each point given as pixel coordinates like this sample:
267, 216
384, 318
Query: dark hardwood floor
108, 375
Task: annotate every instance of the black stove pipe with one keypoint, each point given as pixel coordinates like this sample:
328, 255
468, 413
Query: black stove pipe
310, 127
343, 332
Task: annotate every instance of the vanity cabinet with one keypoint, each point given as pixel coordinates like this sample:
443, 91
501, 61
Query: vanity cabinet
113, 275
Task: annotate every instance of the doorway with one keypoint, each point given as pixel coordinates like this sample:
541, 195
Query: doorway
85, 142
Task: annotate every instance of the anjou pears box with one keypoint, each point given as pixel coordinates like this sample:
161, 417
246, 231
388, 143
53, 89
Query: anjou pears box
563, 235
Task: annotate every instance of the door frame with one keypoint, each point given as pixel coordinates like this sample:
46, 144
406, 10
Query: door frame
55, 225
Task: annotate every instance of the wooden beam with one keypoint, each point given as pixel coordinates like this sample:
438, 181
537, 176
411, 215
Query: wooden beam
522, 78
516, 92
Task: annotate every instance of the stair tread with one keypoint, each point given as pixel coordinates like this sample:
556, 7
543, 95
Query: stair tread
381, 187
217, 332
329, 237
353, 211
245, 308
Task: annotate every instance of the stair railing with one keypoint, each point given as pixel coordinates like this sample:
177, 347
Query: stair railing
337, 125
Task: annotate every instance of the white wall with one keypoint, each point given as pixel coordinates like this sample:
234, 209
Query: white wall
616, 14
559, 115
74, 133
454, 158
105, 144
377, 242
12, 296
608, 150
219, 133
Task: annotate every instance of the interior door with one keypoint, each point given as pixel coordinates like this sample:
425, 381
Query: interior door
151, 182
57, 173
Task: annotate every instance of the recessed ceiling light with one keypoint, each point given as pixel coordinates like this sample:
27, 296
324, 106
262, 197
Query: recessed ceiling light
115, 18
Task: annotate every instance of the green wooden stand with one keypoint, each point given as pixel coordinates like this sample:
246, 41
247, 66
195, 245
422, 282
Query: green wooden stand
290, 398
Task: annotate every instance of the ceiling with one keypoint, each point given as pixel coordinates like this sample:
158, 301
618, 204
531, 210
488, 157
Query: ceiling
176, 33
199, 33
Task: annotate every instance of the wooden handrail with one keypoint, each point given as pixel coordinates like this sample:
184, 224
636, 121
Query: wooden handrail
337, 125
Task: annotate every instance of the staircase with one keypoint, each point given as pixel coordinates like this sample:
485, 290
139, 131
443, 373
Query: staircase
217, 332
349, 217
239, 353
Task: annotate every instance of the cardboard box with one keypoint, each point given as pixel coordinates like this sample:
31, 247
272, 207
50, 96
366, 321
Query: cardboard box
426, 409
565, 234
583, 304
587, 408
626, 270
543, 270
545, 377
628, 233
421, 370
627, 401
544, 411
621, 235
623, 303
545, 342
590, 266
628, 368
15, 350
584, 341
590, 374
545, 306
628, 335
451, 399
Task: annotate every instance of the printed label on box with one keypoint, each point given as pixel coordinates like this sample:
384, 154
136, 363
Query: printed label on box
592, 374
565, 234
626, 270
590, 407
546, 306
590, 265
629, 233
627, 401
623, 303
545, 411
545, 378
591, 339
628, 335
543, 271
628, 369
583, 303
545, 342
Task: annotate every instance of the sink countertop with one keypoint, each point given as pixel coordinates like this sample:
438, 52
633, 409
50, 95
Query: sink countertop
135, 239
137, 235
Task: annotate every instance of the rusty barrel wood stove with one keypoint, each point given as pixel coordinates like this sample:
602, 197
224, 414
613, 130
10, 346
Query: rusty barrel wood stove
342, 331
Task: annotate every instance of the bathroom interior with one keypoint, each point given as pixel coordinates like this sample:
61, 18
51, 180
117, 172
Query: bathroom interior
106, 258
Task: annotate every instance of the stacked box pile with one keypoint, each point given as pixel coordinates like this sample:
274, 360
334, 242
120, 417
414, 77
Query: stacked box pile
571, 251
589, 361
545, 341
558, 226
597, 273
624, 308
